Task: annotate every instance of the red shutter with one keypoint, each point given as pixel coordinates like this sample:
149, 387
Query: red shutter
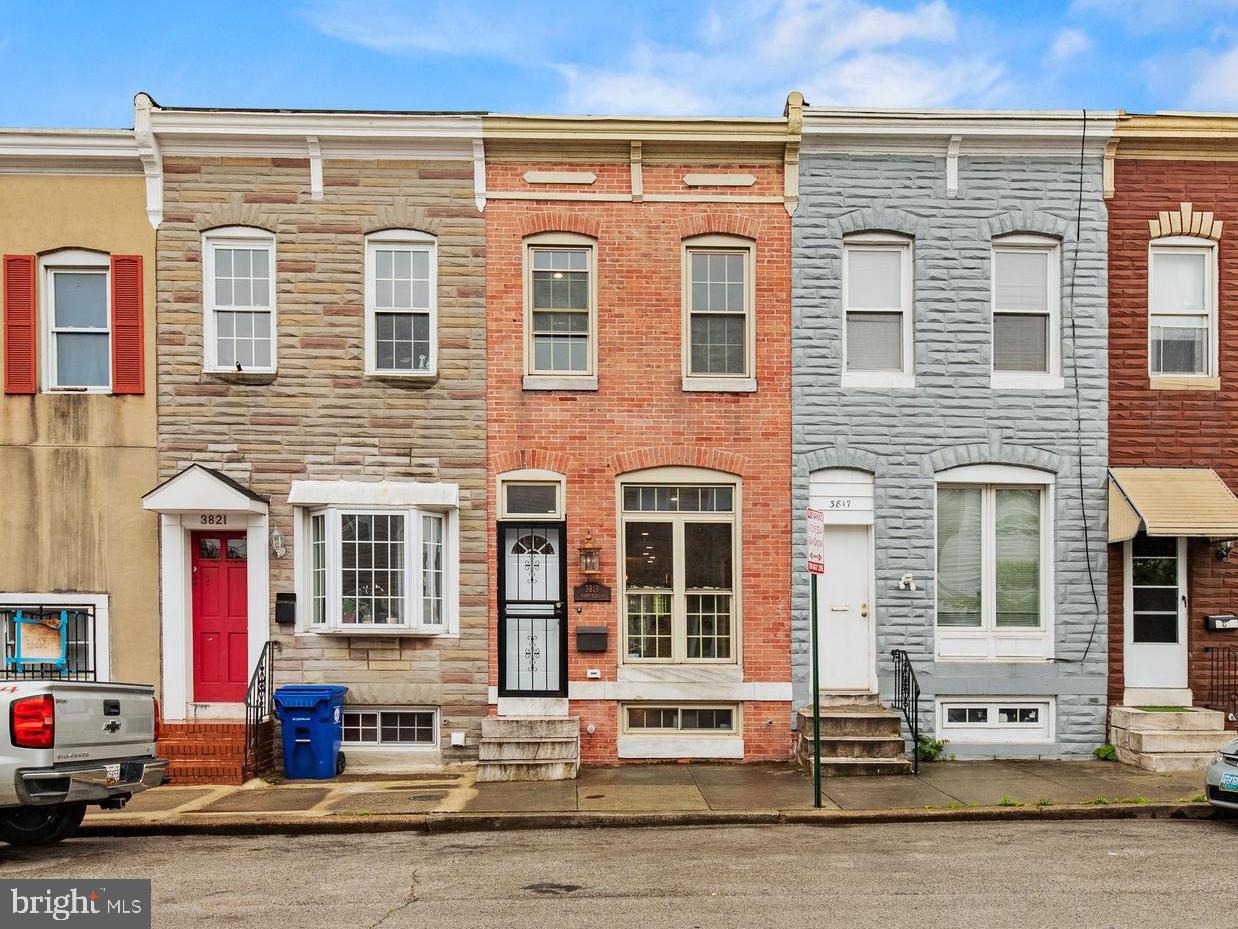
128, 376
19, 323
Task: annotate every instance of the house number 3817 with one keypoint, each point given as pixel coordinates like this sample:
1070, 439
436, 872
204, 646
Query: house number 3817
839, 503
213, 519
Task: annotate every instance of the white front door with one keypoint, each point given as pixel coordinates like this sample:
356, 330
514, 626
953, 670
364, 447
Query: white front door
845, 611
1154, 653
531, 610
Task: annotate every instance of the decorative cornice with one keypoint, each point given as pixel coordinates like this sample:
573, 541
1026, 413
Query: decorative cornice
1185, 221
69, 151
878, 219
1027, 220
400, 213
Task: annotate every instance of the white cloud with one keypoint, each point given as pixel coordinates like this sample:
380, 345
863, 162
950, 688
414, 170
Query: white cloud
1216, 82
1067, 44
899, 80
448, 29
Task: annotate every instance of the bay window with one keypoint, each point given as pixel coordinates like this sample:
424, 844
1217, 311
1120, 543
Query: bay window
679, 554
877, 323
1182, 329
238, 295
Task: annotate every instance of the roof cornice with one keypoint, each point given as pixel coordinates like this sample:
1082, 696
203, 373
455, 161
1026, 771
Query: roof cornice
68, 151
705, 130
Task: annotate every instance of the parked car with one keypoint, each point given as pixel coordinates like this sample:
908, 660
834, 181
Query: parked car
69, 745
1221, 778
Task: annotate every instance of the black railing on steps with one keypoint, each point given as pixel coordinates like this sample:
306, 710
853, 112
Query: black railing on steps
259, 745
1222, 667
907, 699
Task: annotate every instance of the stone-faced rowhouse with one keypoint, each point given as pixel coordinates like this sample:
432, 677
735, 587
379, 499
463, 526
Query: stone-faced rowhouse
949, 417
638, 440
321, 433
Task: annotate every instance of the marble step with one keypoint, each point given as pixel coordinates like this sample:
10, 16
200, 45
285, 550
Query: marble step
1195, 719
533, 748
530, 727
490, 771
855, 720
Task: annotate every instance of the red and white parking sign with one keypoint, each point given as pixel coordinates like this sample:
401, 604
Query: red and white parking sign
816, 541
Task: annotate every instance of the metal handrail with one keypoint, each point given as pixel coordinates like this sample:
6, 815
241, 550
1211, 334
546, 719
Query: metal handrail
258, 706
1222, 665
907, 699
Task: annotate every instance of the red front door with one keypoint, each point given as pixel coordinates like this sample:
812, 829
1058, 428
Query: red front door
220, 617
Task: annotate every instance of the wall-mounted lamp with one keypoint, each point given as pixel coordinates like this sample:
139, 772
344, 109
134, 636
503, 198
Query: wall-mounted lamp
590, 556
1224, 549
277, 543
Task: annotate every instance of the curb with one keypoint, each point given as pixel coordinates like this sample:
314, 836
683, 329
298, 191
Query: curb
443, 823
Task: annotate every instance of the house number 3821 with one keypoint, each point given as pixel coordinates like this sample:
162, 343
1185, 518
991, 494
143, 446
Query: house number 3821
213, 519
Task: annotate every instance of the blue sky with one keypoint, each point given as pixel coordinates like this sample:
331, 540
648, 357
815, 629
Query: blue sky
79, 63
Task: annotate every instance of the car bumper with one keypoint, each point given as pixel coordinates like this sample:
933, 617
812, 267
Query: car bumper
90, 783
1225, 799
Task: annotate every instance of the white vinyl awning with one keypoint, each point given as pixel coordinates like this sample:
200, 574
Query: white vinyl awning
1170, 502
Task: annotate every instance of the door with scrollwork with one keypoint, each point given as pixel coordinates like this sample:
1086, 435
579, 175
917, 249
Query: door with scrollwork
532, 610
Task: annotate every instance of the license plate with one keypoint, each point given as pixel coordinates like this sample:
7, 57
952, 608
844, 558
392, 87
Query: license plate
1229, 780
112, 774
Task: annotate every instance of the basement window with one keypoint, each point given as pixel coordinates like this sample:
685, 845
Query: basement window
995, 720
406, 726
645, 719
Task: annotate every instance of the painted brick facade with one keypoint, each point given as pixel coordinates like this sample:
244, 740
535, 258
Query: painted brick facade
640, 416
321, 417
1172, 428
953, 416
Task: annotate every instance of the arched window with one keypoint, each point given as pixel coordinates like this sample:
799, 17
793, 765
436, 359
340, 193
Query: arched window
238, 299
401, 303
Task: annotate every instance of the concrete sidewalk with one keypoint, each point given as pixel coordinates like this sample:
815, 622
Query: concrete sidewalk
657, 794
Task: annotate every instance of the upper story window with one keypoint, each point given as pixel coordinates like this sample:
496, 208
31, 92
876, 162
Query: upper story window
679, 557
1182, 325
239, 299
560, 312
718, 314
877, 295
76, 310
1026, 273
401, 304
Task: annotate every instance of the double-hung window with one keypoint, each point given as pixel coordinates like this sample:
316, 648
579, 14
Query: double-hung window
239, 300
679, 555
400, 303
993, 566
376, 570
76, 310
1026, 273
561, 312
877, 290
1182, 329
718, 299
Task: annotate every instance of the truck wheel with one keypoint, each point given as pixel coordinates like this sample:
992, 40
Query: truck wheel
40, 825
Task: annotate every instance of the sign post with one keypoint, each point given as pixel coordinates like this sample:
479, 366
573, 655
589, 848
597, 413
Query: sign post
816, 565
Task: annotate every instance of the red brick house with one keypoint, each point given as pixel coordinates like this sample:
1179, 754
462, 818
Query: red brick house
638, 435
1173, 419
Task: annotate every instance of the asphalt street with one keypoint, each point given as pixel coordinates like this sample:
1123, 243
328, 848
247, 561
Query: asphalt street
1080, 874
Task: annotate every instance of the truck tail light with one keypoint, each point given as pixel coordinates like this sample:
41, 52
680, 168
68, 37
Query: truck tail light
32, 721
155, 737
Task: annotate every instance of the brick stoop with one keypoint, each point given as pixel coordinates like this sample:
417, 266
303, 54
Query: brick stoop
204, 752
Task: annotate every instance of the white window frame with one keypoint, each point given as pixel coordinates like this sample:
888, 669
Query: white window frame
72, 261
234, 237
988, 642
1191, 245
414, 623
737, 727
410, 240
560, 380
532, 476
1050, 379
381, 746
993, 731
881, 241
697, 477
745, 381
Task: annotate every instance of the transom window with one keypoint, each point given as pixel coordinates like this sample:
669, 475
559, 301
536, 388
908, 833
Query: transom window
560, 310
1026, 297
719, 316
378, 569
79, 326
653, 720
679, 554
401, 303
877, 310
390, 726
239, 299
1182, 332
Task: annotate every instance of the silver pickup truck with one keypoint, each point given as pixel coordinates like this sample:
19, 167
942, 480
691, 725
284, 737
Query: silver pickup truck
66, 745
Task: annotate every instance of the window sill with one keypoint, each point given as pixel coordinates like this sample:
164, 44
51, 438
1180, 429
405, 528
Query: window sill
421, 631
560, 382
878, 380
1009, 381
738, 385
76, 391
1183, 382
676, 745
403, 378
254, 378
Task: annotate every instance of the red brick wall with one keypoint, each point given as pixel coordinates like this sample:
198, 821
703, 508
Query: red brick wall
1171, 428
640, 416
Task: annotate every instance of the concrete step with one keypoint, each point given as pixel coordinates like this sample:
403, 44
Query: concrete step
1165, 762
862, 746
560, 770
848, 767
846, 721
545, 748
1173, 740
1195, 719
525, 727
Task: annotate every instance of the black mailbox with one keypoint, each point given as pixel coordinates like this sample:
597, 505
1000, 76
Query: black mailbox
286, 609
1221, 622
591, 638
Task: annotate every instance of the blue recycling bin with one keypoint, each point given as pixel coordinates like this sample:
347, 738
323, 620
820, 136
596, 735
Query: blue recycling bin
311, 720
